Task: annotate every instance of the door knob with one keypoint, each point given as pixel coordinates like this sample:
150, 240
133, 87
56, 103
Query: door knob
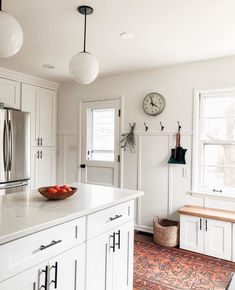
83, 165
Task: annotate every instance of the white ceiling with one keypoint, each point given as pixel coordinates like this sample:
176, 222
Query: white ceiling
166, 32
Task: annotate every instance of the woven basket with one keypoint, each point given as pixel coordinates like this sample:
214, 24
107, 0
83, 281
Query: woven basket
166, 232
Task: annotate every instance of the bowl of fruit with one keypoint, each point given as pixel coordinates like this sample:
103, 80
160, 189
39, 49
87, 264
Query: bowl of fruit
57, 192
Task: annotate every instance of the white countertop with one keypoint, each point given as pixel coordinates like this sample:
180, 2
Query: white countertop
24, 213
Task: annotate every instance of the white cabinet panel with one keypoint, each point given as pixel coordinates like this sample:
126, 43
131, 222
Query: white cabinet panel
191, 233
30, 103
47, 111
67, 271
123, 258
43, 167
99, 262
218, 239
10, 93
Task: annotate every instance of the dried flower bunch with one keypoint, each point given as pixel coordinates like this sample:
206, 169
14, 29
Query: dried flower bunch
128, 139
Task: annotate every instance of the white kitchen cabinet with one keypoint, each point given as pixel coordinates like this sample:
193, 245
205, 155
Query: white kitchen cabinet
218, 239
67, 271
32, 279
110, 259
191, 233
207, 236
10, 93
233, 245
41, 103
43, 166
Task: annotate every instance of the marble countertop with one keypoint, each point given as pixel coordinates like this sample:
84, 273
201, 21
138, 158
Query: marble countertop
24, 213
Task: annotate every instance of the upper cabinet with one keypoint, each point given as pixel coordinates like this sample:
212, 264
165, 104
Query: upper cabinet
42, 104
10, 93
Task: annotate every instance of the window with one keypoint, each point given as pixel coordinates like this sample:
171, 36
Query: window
214, 149
101, 126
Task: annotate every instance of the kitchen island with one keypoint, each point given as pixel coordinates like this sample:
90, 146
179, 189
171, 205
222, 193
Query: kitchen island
83, 242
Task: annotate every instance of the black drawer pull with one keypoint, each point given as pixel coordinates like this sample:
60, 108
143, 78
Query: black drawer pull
114, 242
116, 217
119, 239
56, 274
53, 243
46, 278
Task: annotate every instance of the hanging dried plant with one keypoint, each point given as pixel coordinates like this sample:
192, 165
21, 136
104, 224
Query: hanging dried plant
128, 139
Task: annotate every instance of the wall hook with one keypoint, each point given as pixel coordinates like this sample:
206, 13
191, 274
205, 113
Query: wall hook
162, 127
179, 126
146, 127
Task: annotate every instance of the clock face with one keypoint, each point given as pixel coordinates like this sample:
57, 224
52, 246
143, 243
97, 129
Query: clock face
153, 104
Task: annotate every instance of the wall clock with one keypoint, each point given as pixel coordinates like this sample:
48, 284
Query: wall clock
153, 104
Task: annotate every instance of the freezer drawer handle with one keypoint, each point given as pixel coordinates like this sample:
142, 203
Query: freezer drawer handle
116, 217
53, 243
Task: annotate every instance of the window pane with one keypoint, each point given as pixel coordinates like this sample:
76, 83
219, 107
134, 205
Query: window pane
103, 129
105, 156
219, 129
218, 177
219, 106
223, 155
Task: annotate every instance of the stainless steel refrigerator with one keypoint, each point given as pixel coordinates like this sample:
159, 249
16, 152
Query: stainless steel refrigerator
14, 150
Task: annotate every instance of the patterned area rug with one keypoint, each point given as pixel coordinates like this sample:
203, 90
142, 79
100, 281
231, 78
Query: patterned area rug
161, 268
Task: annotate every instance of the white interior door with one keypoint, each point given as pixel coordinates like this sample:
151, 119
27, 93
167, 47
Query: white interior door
100, 137
218, 239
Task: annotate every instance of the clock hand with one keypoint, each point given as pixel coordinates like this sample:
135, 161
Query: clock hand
151, 101
154, 105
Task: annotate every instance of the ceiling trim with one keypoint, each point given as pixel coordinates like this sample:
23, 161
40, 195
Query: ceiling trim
29, 79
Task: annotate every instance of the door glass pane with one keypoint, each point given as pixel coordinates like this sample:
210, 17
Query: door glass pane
219, 106
218, 177
219, 129
222, 155
101, 134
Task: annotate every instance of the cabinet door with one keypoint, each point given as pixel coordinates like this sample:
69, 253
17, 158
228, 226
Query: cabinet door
67, 271
47, 118
43, 166
10, 93
123, 257
30, 103
32, 279
99, 262
191, 233
47, 167
218, 239
233, 250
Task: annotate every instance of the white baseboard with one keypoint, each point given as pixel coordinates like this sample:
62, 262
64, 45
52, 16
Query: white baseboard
144, 229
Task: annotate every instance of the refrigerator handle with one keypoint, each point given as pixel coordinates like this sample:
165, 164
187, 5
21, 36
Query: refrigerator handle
5, 146
10, 145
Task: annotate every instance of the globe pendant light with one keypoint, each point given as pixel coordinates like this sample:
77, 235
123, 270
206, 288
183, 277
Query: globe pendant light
11, 34
83, 66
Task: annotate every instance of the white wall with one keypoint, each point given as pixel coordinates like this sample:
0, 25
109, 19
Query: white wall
176, 84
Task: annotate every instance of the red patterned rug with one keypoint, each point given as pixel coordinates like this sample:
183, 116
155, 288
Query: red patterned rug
161, 268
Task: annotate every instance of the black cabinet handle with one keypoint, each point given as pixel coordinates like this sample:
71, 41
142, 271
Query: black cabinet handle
41, 141
38, 141
46, 278
200, 224
217, 190
82, 165
37, 154
53, 243
206, 225
119, 239
116, 217
114, 243
56, 274
41, 154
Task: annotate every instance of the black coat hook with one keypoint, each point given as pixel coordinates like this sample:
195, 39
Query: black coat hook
162, 127
146, 127
179, 126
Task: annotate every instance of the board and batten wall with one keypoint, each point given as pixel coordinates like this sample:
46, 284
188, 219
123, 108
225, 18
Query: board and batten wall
166, 187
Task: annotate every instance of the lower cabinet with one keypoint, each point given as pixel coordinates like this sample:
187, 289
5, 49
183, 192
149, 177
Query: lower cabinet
206, 236
110, 259
43, 166
64, 272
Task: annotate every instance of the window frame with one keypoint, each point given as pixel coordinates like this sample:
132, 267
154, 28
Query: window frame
199, 143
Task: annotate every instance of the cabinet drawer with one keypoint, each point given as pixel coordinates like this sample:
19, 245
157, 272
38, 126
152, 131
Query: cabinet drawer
21, 254
109, 218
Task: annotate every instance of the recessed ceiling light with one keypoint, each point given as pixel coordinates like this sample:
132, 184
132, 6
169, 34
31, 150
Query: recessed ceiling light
126, 35
48, 66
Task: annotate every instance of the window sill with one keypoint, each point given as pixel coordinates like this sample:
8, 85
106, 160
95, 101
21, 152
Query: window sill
230, 196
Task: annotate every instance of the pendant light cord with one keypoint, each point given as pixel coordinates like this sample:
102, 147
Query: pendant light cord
84, 48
